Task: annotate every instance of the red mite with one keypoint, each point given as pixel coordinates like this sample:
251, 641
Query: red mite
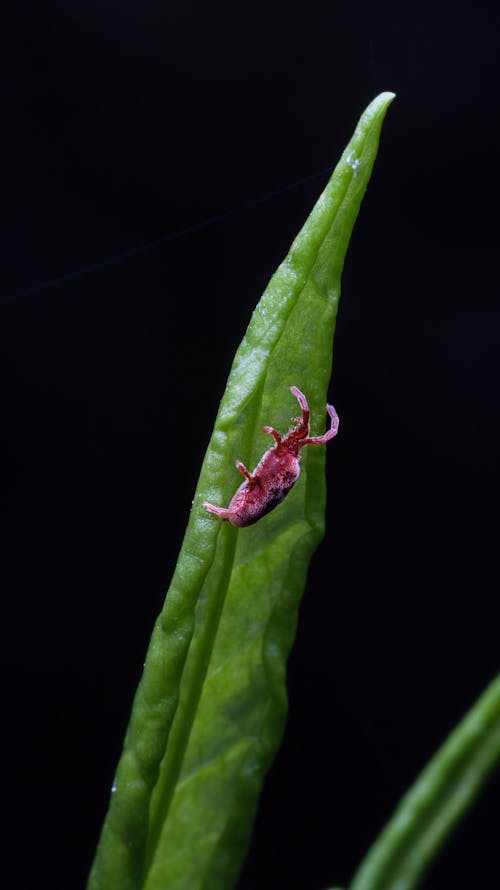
277, 470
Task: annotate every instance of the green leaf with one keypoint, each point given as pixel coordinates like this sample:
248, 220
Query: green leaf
437, 801
210, 709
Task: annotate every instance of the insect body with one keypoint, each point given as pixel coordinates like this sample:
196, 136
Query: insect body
277, 470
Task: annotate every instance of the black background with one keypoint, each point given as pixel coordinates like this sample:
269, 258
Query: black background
123, 123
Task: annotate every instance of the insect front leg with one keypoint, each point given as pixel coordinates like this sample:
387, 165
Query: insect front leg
274, 433
334, 428
305, 407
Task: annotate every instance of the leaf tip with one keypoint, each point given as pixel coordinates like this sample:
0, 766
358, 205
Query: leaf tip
382, 101
374, 113
386, 96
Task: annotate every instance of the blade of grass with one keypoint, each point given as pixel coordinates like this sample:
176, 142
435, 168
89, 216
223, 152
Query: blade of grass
432, 808
214, 679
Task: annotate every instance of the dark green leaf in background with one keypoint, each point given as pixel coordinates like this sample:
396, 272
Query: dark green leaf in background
210, 709
433, 807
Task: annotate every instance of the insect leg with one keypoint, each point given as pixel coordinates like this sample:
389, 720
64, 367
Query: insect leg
242, 468
274, 433
219, 511
303, 404
334, 427
299, 432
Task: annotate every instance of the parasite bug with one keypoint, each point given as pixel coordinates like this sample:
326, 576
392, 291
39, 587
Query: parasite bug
277, 470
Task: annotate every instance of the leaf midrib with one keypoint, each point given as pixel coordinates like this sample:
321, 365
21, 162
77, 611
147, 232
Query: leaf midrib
177, 753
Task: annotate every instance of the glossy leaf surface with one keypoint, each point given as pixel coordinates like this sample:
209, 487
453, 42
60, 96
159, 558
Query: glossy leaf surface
210, 709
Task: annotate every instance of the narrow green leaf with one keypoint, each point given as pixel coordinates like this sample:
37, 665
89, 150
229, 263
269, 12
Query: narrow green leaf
214, 680
432, 808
